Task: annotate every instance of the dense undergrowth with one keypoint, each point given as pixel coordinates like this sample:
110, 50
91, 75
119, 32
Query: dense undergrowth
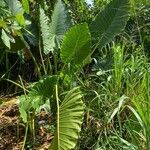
86, 66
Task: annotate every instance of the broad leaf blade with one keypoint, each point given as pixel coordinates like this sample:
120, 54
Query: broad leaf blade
110, 22
45, 87
44, 26
70, 119
59, 25
40, 92
25, 104
23, 115
52, 33
76, 45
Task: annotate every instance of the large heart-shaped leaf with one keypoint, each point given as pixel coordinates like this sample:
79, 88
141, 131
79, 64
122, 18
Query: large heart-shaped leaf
110, 22
59, 24
52, 33
45, 87
76, 45
41, 91
69, 120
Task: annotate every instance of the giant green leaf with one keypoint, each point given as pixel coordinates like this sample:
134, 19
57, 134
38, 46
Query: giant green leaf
44, 27
25, 104
69, 120
60, 22
76, 45
52, 33
45, 87
110, 22
41, 91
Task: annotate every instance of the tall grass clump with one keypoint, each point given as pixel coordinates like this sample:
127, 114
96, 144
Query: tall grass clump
138, 92
118, 106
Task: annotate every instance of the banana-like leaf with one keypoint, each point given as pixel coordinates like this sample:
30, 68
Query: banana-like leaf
69, 121
76, 45
44, 26
45, 87
52, 33
110, 22
59, 25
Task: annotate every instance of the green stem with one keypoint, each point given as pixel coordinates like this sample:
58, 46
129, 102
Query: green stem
33, 129
36, 64
25, 137
22, 87
57, 101
42, 60
55, 63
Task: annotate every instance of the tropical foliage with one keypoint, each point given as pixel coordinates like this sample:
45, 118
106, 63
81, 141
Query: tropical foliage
86, 66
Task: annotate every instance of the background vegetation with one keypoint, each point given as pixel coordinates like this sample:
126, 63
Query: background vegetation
85, 66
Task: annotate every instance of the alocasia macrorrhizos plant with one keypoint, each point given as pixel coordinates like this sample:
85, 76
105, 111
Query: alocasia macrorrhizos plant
69, 111
109, 22
53, 32
74, 45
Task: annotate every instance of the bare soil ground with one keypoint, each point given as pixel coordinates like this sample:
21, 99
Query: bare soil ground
12, 130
